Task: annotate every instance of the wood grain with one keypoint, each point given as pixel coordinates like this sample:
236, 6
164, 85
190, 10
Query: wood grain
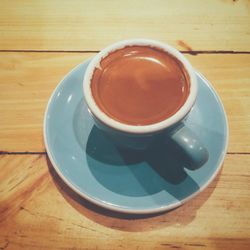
28, 79
38, 211
91, 25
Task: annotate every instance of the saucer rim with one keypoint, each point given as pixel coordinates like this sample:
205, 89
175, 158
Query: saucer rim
117, 208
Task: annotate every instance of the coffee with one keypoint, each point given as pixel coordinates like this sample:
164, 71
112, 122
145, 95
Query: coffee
140, 85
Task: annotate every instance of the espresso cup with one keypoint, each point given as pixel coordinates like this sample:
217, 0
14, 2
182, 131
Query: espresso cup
140, 137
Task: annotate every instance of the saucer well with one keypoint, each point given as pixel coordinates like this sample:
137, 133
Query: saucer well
124, 180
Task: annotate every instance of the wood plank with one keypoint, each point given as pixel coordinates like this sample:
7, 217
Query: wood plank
229, 75
91, 25
218, 218
28, 79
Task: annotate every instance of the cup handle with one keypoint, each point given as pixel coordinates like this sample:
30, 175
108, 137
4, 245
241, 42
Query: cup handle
193, 149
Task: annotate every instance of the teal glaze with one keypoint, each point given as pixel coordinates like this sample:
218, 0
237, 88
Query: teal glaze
194, 150
122, 139
152, 180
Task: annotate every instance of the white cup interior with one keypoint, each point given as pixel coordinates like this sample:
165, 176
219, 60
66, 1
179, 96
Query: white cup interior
139, 129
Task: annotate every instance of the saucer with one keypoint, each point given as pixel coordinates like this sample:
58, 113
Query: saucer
124, 180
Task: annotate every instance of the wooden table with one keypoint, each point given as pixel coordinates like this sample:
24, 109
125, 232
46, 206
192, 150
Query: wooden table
40, 41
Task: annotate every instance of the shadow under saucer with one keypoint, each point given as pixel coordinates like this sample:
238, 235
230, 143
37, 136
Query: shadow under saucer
131, 222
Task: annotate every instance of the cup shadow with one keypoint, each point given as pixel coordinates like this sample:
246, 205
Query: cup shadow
139, 173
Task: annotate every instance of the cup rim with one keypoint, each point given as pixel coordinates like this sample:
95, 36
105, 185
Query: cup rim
139, 129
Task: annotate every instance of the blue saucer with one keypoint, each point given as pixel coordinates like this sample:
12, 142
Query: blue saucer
124, 180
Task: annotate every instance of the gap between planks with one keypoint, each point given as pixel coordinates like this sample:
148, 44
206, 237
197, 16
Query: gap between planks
191, 52
45, 153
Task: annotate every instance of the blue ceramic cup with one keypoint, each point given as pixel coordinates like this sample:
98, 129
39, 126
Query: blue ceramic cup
140, 137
